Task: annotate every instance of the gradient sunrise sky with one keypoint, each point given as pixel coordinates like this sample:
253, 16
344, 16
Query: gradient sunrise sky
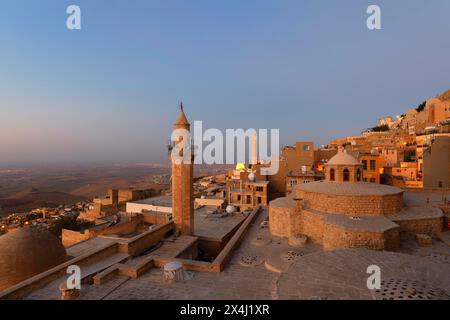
109, 92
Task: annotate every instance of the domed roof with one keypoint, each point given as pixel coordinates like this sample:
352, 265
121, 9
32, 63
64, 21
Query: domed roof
26, 252
343, 158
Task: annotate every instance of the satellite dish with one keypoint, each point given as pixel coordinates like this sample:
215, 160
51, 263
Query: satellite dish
230, 209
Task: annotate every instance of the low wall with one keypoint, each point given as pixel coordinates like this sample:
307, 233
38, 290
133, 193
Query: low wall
225, 255
432, 226
69, 237
336, 237
157, 218
135, 246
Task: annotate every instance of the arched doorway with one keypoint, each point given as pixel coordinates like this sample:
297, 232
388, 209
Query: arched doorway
346, 175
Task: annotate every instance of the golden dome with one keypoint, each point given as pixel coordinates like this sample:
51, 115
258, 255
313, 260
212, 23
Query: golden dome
343, 158
240, 167
26, 252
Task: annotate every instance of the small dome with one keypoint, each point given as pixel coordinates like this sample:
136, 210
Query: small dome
343, 158
240, 167
251, 176
26, 252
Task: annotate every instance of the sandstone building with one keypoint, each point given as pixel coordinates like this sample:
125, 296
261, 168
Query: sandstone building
344, 212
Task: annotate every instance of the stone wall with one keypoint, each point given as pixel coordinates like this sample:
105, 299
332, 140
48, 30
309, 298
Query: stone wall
69, 237
353, 205
336, 237
286, 222
280, 216
313, 226
432, 226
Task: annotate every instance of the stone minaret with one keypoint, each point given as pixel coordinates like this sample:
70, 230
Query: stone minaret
254, 147
182, 184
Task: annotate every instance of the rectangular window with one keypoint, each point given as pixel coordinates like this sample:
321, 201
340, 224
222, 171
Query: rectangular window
372, 165
260, 189
364, 163
306, 147
259, 200
249, 199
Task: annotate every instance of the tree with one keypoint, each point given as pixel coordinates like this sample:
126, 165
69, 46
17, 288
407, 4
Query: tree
421, 106
69, 223
380, 128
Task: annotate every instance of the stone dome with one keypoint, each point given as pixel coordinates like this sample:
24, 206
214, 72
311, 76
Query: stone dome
26, 252
343, 158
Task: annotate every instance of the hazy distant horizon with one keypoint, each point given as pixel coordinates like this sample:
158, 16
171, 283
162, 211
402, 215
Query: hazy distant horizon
109, 93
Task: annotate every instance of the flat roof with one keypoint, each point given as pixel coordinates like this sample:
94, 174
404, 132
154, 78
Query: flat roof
212, 226
161, 201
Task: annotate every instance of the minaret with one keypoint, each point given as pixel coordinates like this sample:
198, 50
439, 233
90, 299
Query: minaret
254, 159
182, 184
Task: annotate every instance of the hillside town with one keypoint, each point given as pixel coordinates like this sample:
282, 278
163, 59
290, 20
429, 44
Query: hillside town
381, 196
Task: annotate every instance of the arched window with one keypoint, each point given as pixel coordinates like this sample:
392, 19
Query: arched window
331, 174
358, 175
346, 175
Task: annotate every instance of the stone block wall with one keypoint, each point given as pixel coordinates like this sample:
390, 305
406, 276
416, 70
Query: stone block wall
313, 226
353, 205
432, 226
336, 237
280, 218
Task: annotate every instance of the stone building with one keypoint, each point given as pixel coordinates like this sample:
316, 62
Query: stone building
292, 159
436, 164
372, 167
344, 212
247, 188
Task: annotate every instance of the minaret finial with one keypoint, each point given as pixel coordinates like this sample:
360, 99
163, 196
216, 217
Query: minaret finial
181, 106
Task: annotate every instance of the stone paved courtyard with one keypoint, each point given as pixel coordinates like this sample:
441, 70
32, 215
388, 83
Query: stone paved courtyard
266, 267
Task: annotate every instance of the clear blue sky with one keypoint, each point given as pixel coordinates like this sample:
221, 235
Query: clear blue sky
109, 92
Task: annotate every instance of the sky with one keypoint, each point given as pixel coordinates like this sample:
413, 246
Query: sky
109, 93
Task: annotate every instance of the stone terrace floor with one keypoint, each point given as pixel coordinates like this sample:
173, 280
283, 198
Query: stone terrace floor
266, 267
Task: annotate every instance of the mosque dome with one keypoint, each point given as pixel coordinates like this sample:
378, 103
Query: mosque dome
343, 158
26, 252
240, 167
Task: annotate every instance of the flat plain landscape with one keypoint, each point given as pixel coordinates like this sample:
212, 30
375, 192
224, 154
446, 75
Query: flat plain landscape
24, 189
